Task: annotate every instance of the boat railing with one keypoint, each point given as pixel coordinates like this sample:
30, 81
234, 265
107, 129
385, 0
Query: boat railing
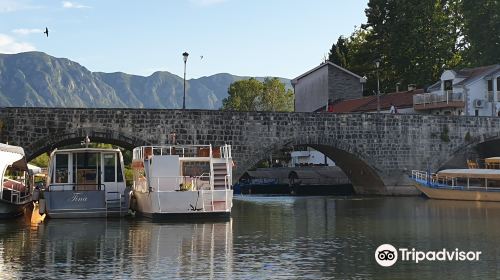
144, 152
180, 150
225, 151
76, 187
181, 183
437, 181
14, 191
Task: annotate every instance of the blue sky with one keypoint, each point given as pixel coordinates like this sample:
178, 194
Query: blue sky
283, 38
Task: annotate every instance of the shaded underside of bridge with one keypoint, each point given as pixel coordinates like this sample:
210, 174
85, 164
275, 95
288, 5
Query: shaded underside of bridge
376, 151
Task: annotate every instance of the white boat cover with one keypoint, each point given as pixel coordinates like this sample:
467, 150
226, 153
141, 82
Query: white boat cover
471, 173
11, 149
11, 155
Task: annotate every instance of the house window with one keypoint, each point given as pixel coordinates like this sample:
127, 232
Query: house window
476, 113
448, 85
490, 85
498, 84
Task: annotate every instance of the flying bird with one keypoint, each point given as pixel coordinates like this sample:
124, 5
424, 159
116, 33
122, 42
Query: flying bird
46, 32
201, 57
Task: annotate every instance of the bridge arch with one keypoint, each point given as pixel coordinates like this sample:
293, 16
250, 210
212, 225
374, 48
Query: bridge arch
487, 145
76, 136
366, 178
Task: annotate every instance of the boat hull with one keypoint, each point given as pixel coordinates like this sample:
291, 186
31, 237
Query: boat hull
455, 194
88, 204
11, 210
188, 205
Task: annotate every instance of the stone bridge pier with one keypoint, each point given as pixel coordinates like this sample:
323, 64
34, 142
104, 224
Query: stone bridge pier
376, 151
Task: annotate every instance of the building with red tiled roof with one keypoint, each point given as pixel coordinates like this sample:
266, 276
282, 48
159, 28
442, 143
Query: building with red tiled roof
402, 101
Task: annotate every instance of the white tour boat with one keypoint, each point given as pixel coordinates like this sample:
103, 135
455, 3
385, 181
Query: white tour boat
85, 182
16, 187
192, 181
459, 184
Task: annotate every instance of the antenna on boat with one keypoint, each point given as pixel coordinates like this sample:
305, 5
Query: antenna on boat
86, 141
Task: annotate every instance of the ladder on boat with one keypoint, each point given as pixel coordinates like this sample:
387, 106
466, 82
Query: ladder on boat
114, 205
220, 174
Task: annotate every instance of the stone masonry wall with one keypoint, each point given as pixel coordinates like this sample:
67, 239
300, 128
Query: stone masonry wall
377, 151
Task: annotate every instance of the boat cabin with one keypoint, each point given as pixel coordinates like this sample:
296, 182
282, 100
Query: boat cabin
86, 170
182, 168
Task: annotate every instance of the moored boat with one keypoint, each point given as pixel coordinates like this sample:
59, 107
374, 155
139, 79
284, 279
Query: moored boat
459, 184
185, 182
16, 187
85, 183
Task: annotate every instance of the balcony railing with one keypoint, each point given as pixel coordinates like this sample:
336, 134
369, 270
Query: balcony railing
491, 96
434, 100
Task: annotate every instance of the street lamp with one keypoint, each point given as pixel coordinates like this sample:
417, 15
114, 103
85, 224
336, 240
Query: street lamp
185, 57
377, 63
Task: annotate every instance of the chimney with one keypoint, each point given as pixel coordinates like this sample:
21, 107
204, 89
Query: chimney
411, 87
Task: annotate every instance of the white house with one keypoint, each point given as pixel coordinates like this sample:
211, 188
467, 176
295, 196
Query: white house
309, 157
469, 91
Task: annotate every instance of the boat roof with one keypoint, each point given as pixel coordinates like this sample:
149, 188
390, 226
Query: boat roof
471, 173
86, 150
172, 146
11, 149
13, 156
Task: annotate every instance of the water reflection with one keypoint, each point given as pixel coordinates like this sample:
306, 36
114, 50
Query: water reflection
111, 249
268, 237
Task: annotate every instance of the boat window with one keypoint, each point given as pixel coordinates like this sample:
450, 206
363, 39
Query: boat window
119, 175
61, 174
85, 168
109, 168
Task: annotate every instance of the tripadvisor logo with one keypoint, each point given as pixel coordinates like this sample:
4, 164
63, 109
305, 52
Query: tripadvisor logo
387, 255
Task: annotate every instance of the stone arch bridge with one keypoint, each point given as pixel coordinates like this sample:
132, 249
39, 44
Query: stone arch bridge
376, 151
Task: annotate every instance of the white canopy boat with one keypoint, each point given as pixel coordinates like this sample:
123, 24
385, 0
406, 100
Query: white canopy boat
16, 187
185, 182
460, 184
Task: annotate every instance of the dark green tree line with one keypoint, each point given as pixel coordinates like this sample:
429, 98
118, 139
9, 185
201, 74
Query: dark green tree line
416, 40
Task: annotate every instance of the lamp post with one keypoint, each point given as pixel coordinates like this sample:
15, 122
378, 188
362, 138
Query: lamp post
377, 63
185, 57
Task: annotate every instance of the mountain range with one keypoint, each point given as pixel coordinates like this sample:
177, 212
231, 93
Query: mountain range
36, 79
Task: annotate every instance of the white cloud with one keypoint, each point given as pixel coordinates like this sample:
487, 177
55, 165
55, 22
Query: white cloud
9, 45
27, 31
207, 2
7, 6
73, 5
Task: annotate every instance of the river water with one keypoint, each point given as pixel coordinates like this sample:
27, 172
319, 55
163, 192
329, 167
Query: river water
276, 237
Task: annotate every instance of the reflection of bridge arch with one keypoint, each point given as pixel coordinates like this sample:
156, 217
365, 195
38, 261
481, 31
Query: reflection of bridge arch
364, 177
76, 136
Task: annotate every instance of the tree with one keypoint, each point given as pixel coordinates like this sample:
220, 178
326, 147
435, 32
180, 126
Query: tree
339, 52
243, 95
275, 97
41, 160
253, 95
481, 31
414, 39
